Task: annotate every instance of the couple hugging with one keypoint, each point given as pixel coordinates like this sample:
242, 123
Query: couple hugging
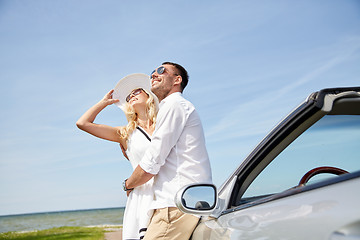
164, 142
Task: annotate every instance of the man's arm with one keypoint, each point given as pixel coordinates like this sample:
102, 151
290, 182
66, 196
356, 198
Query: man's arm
137, 178
170, 123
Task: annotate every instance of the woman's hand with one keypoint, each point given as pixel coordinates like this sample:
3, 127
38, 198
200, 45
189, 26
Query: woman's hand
108, 98
86, 121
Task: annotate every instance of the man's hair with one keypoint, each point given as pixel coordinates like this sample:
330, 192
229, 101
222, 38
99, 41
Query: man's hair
182, 72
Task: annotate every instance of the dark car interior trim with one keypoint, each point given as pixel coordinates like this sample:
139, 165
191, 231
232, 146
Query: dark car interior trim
292, 191
258, 163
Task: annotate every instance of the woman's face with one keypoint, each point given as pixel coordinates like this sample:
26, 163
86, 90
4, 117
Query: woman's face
137, 96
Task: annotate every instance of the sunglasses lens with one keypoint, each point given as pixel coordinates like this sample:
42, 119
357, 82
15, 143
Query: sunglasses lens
137, 92
133, 93
160, 70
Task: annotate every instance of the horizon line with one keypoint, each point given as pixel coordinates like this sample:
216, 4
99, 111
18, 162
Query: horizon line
60, 211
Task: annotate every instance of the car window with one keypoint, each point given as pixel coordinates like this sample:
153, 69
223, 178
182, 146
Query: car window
333, 141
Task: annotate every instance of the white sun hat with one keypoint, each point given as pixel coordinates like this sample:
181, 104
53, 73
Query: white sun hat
133, 81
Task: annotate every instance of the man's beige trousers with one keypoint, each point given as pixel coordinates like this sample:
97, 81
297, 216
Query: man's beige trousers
170, 224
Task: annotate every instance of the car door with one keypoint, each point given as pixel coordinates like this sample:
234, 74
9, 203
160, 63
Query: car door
301, 182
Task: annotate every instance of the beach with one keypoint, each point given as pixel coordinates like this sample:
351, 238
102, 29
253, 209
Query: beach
71, 233
110, 219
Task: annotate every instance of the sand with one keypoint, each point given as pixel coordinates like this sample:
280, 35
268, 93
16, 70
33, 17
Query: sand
117, 235
113, 233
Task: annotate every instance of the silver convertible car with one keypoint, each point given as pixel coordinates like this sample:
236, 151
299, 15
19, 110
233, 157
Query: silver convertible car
302, 181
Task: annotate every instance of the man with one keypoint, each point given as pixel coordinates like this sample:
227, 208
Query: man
177, 155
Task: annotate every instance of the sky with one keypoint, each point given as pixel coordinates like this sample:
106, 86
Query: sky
250, 63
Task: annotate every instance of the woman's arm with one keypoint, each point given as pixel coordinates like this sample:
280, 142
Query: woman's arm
86, 121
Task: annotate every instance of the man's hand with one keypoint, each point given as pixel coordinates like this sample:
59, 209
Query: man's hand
124, 152
128, 192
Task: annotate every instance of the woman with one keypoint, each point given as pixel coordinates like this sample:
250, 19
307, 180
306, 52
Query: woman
132, 94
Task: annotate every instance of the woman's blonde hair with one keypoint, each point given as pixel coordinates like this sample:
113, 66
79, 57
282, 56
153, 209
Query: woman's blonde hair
131, 116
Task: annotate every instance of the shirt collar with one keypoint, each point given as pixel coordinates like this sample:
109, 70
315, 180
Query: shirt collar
169, 97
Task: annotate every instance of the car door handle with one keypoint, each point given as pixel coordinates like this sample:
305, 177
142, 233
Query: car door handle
348, 232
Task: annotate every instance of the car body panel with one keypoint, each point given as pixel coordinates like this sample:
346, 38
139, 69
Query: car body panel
323, 209
286, 216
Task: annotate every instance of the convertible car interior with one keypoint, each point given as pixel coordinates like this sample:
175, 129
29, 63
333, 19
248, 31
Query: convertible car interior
314, 130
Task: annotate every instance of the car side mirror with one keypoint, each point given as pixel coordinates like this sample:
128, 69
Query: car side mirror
199, 199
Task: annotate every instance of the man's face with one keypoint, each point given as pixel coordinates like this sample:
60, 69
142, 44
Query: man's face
162, 80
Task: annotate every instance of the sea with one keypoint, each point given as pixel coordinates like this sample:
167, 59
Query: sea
46, 220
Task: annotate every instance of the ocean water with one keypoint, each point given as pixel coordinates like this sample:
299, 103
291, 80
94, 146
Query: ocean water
39, 221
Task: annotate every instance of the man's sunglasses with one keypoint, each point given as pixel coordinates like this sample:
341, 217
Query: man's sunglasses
159, 70
134, 92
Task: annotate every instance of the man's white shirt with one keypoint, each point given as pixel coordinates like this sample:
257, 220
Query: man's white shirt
177, 155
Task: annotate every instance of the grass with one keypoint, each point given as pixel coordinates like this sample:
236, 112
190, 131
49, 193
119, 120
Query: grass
61, 233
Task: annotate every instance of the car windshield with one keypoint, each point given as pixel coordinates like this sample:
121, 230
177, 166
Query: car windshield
333, 141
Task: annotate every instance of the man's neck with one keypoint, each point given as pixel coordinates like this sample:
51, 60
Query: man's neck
170, 93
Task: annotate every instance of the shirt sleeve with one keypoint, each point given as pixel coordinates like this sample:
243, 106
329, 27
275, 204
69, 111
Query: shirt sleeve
170, 123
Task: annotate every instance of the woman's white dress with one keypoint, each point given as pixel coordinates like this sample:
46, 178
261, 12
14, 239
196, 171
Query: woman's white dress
137, 211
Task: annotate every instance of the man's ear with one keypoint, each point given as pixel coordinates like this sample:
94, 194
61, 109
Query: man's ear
178, 80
